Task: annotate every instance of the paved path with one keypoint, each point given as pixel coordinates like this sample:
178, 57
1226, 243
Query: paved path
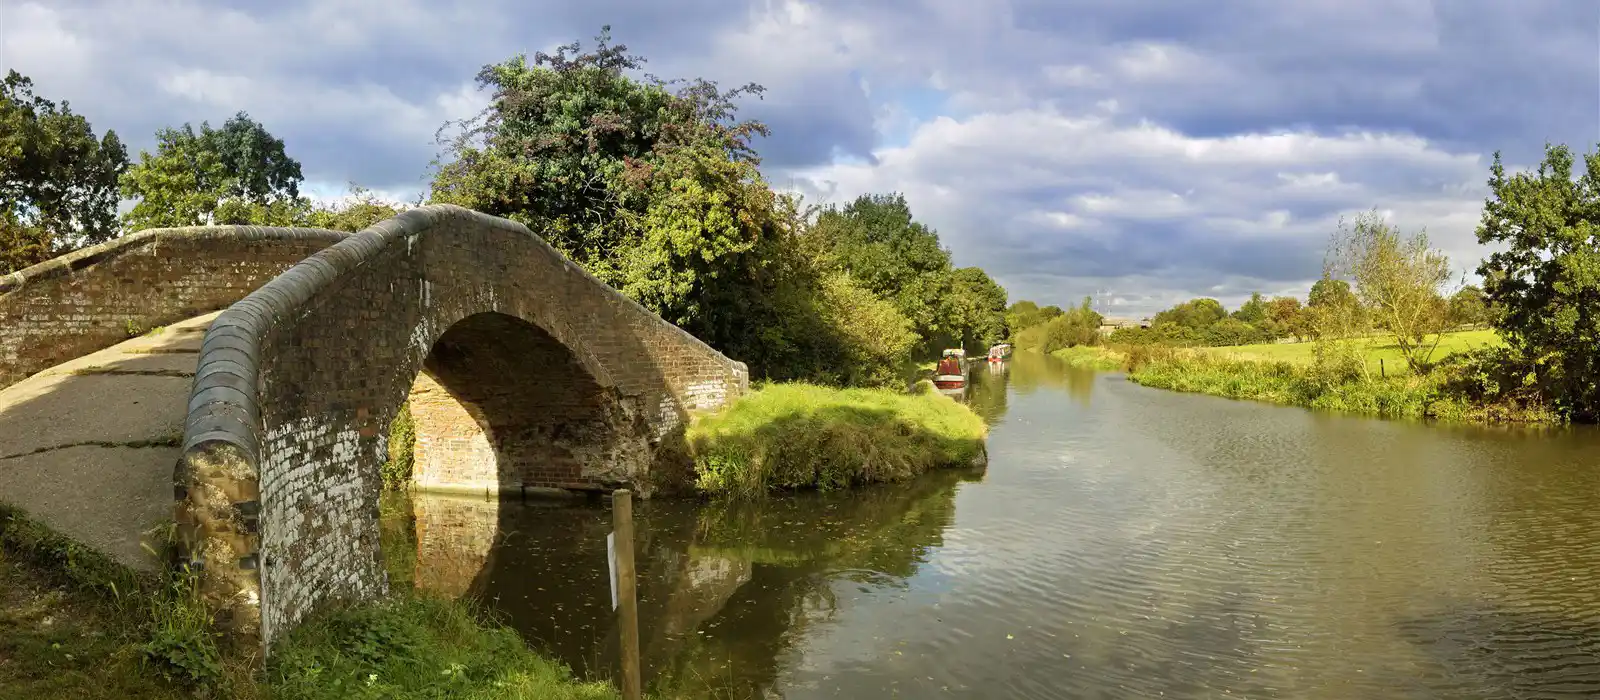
88, 446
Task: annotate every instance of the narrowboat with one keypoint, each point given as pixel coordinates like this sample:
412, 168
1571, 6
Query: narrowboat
1000, 353
951, 373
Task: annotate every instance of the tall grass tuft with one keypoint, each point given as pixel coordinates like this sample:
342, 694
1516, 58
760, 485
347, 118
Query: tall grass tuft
802, 436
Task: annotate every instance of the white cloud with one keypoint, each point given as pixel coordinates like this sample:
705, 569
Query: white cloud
1059, 204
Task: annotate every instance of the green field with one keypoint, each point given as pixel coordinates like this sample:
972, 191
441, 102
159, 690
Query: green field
1377, 348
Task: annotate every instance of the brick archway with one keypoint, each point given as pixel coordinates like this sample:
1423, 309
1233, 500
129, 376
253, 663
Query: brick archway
502, 406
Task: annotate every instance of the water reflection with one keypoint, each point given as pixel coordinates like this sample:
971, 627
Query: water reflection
1124, 542
724, 588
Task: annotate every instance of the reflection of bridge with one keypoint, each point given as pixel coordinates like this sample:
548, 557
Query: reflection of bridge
724, 588
523, 372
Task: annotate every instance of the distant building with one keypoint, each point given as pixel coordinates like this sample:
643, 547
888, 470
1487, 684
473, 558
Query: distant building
1112, 323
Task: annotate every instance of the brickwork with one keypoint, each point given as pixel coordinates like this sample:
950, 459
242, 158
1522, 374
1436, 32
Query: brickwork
94, 298
529, 364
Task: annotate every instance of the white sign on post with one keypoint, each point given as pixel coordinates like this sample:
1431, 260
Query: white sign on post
611, 564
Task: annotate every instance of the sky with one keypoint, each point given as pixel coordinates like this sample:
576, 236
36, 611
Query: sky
1143, 152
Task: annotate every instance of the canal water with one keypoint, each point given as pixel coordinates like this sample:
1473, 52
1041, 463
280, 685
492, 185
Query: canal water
1123, 542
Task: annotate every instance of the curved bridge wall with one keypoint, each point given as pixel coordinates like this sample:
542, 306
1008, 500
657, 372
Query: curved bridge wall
296, 386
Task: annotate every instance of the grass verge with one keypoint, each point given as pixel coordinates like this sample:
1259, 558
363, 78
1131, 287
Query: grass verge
1296, 384
417, 646
801, 436
76, 624
1094, 357
1379, 352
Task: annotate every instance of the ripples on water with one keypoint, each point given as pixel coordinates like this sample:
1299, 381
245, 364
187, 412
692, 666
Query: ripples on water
1124, 542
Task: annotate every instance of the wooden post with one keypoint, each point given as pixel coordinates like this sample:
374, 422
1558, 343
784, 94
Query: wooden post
1381, 371
627, 602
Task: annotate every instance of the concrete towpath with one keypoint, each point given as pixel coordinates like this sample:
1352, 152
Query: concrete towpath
88, 446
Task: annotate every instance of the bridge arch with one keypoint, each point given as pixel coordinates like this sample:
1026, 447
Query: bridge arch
526, 372
500, 405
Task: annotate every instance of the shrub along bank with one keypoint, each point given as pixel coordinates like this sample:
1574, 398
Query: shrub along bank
803, 436
1466, 387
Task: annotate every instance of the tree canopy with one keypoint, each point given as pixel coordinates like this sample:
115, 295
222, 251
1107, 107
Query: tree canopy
238, 174
58, 182
1545, 282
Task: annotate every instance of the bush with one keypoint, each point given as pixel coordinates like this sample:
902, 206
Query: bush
800, 436
396, 471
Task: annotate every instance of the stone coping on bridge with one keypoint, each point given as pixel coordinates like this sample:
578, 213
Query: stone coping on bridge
86, 257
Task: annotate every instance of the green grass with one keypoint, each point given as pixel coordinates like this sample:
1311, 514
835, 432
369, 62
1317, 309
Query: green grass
416, 646
801, 436
1299, 384
1094, 357
1375, 349
76, 624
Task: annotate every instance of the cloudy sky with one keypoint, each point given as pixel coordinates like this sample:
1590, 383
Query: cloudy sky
1157, 150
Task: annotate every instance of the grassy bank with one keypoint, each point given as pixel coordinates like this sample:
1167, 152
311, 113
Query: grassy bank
799, 436
1091, 357
76, 624
1300, 384
415, 646
1376, 351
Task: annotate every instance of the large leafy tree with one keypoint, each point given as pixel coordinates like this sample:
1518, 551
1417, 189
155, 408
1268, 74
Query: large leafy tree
1544, 284
1469, 306
1254, 311
978, 306
238, 174
1026, 314
650, 185
878, 242
1195, 314
58, 182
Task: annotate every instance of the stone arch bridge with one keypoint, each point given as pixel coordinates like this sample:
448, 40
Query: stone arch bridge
522, 371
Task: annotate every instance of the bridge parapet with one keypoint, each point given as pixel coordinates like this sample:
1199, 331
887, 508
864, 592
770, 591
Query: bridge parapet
533, 374
91, 299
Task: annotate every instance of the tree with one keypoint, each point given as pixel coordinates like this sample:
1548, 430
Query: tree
1195, 313
1397, 279
1469, 306
1254, 311
58, 183
363, 208
979, 307
1285, 316
1078, 326
239, 174
1027, 314
652, 186
1545, 284
1331, 292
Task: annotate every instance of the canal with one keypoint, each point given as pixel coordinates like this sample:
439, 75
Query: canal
1123, 542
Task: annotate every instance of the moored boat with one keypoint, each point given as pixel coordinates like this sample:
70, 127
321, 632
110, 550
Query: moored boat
951, 372
1000, 353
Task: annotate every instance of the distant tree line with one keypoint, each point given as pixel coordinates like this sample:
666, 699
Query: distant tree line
653, 186
1540, 292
